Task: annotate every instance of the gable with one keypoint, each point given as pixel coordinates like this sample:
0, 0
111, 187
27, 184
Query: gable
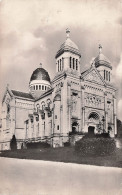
93, 76
7, 96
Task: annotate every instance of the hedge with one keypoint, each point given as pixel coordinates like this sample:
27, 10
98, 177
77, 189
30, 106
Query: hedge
96, 146
37, 145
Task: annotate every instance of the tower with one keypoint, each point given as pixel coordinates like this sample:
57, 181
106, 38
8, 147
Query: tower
68, 57
104, 66
66, 85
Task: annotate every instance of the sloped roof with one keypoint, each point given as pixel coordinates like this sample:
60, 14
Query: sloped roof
45, 94
22, 94
102, 60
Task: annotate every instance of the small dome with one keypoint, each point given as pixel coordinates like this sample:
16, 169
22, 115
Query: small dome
68, 45
40, 74
102, 60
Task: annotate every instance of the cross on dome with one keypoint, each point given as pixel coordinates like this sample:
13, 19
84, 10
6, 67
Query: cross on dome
100, 48
40, 65
67, 32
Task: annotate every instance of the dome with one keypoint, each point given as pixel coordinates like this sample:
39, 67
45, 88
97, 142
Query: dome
102, 60
68, 45
40, 74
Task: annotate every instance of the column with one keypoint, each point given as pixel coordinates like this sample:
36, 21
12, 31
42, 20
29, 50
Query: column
83, 107
83, 114
115, 124
105, 111
115, 116
64, 103
69, 105
106, 121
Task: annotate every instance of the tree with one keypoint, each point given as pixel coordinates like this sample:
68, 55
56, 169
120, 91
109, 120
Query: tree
13, 143
119, 128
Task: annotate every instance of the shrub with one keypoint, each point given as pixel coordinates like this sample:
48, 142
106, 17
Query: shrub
66, 144
104, 135
37, 145
13, 143
95, 146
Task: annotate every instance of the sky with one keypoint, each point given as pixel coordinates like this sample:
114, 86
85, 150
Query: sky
31, 31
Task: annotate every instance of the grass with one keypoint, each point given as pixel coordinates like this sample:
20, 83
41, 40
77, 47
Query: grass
66, 154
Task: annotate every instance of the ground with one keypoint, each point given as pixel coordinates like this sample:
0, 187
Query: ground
68, 154
30, 177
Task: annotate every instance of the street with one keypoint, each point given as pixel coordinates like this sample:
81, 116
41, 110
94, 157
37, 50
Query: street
34, 177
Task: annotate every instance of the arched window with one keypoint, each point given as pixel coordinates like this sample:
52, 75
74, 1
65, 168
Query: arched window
73, 63
42, 87
104, 74
76, 64
70, 62
45, 87
8, 109
93, 116
109, 76
44, 128
60, 64
36, 87
39, 86
37, 107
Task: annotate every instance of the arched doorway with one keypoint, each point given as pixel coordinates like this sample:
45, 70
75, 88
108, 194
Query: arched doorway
91, 130
74, 127
93, 121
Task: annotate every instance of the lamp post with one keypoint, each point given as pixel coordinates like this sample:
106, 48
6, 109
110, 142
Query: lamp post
103, 120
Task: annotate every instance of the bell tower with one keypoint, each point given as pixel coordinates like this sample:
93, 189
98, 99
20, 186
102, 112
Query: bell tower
104, 66
68, 57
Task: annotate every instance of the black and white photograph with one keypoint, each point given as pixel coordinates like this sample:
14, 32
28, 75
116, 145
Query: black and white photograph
60, 97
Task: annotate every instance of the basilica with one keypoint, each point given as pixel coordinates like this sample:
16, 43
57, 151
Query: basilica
73, 103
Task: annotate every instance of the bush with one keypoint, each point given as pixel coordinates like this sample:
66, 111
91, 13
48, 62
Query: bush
104, 135
95, 146
37, 145
13, 143
66, 144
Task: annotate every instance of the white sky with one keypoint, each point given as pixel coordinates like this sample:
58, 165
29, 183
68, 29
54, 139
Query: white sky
31, 31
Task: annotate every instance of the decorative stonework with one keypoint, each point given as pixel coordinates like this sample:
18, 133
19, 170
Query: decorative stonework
93, 100
92, 76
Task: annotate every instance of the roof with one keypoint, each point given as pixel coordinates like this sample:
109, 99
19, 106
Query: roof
40, 74
68, 45
22, 94
102, 60
45, 94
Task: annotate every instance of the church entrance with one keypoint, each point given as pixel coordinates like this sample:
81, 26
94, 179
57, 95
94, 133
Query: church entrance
91, 130
74, 127
93, 121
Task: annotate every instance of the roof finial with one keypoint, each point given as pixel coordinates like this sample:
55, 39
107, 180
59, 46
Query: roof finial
67, 32
40, 65
100, 48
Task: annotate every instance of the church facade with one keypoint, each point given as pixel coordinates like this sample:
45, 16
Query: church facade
74, 102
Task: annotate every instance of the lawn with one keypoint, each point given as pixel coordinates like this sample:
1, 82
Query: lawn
66, 154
